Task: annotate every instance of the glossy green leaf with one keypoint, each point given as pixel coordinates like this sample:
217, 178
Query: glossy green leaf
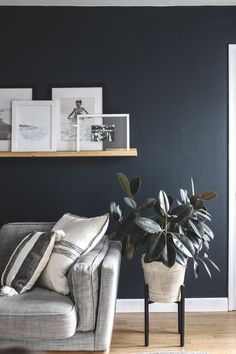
197, 227
124, 182
130, 202
192, 185
181, 258
148, 225
135, 184
115, 211
155, 247
171, 253
208, 231
212, 263
196, 202
206, 267
203, 215
124, 227
184, 246
164, 202
182, 211
147, 203
195, 268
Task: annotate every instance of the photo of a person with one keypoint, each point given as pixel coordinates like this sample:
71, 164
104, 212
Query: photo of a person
79, 109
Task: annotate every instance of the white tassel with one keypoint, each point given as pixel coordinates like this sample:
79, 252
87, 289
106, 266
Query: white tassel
8, 291
60, 235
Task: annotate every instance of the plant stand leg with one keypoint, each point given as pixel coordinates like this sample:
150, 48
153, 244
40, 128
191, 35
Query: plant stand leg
146, 317
182, 316
179, 316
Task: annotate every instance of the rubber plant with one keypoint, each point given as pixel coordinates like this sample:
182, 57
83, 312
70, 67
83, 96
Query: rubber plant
171, 234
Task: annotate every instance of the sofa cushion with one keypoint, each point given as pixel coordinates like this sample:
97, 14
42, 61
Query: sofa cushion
29, 260
82, 234
38, 313
84, 282
13, 233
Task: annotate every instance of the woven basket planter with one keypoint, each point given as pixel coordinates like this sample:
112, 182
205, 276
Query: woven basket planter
164, 283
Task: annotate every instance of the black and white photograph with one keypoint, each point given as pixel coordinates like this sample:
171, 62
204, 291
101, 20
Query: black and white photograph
73, 102
103, 132
34, 126
6, 97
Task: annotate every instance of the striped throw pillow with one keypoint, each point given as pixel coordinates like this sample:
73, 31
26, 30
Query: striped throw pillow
28, 261
81, 236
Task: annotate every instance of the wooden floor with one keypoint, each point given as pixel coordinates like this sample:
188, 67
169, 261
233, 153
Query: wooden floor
211, 332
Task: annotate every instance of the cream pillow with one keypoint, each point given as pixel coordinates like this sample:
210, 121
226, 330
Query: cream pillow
81, 236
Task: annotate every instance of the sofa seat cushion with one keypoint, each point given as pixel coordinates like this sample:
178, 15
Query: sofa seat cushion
39, 313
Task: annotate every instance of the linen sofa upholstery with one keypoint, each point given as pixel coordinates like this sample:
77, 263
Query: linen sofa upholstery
64, 336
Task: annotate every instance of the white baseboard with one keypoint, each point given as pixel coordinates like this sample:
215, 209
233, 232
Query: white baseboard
191, 305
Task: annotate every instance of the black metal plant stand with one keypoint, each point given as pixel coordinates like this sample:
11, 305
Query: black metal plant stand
181, 315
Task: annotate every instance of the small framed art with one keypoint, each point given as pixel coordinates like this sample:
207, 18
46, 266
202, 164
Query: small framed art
103, 132
34, 125
75, 101
6, 97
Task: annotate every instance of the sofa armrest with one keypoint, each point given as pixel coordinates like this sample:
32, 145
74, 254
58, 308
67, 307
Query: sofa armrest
107, 298
84, 281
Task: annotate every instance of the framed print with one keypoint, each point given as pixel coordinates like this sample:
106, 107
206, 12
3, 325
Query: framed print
103, 131
74, 101
6, 97
34, 125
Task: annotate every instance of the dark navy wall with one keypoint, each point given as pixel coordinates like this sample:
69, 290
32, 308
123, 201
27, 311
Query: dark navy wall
167, 67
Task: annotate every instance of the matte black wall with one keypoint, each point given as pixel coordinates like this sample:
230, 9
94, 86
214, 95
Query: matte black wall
167, 67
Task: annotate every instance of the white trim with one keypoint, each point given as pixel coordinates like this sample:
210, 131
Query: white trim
232, 178
191, 305
161, 3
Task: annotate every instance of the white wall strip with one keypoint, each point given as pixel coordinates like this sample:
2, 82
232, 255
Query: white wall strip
192, 305
117, 2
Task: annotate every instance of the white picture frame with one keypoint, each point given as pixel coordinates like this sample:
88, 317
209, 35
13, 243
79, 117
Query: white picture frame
6, 97
91, 102
116, 125
34, 125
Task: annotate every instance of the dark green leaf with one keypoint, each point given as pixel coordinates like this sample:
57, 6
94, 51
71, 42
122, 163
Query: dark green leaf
135, 184
155, 247
192, 184
183, 244
171, 200
181, 258
124, 182
208, 231
184, 195
196, 241
208, 195
182, 211
206, 267
196, 202
171, 253
212, 263
164, 202
124, 227
197, 227
195, 268
203, 215
131, 246
115, 211
148, 225
147, 203
130, 202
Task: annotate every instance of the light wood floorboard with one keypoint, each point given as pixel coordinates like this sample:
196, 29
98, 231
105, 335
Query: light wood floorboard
211, 332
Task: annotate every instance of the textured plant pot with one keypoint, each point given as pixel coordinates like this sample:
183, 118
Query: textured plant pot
164, 283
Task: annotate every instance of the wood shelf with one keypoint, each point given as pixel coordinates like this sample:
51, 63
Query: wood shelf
102, 153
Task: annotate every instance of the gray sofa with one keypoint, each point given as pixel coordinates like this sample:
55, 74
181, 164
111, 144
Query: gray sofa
41, 319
